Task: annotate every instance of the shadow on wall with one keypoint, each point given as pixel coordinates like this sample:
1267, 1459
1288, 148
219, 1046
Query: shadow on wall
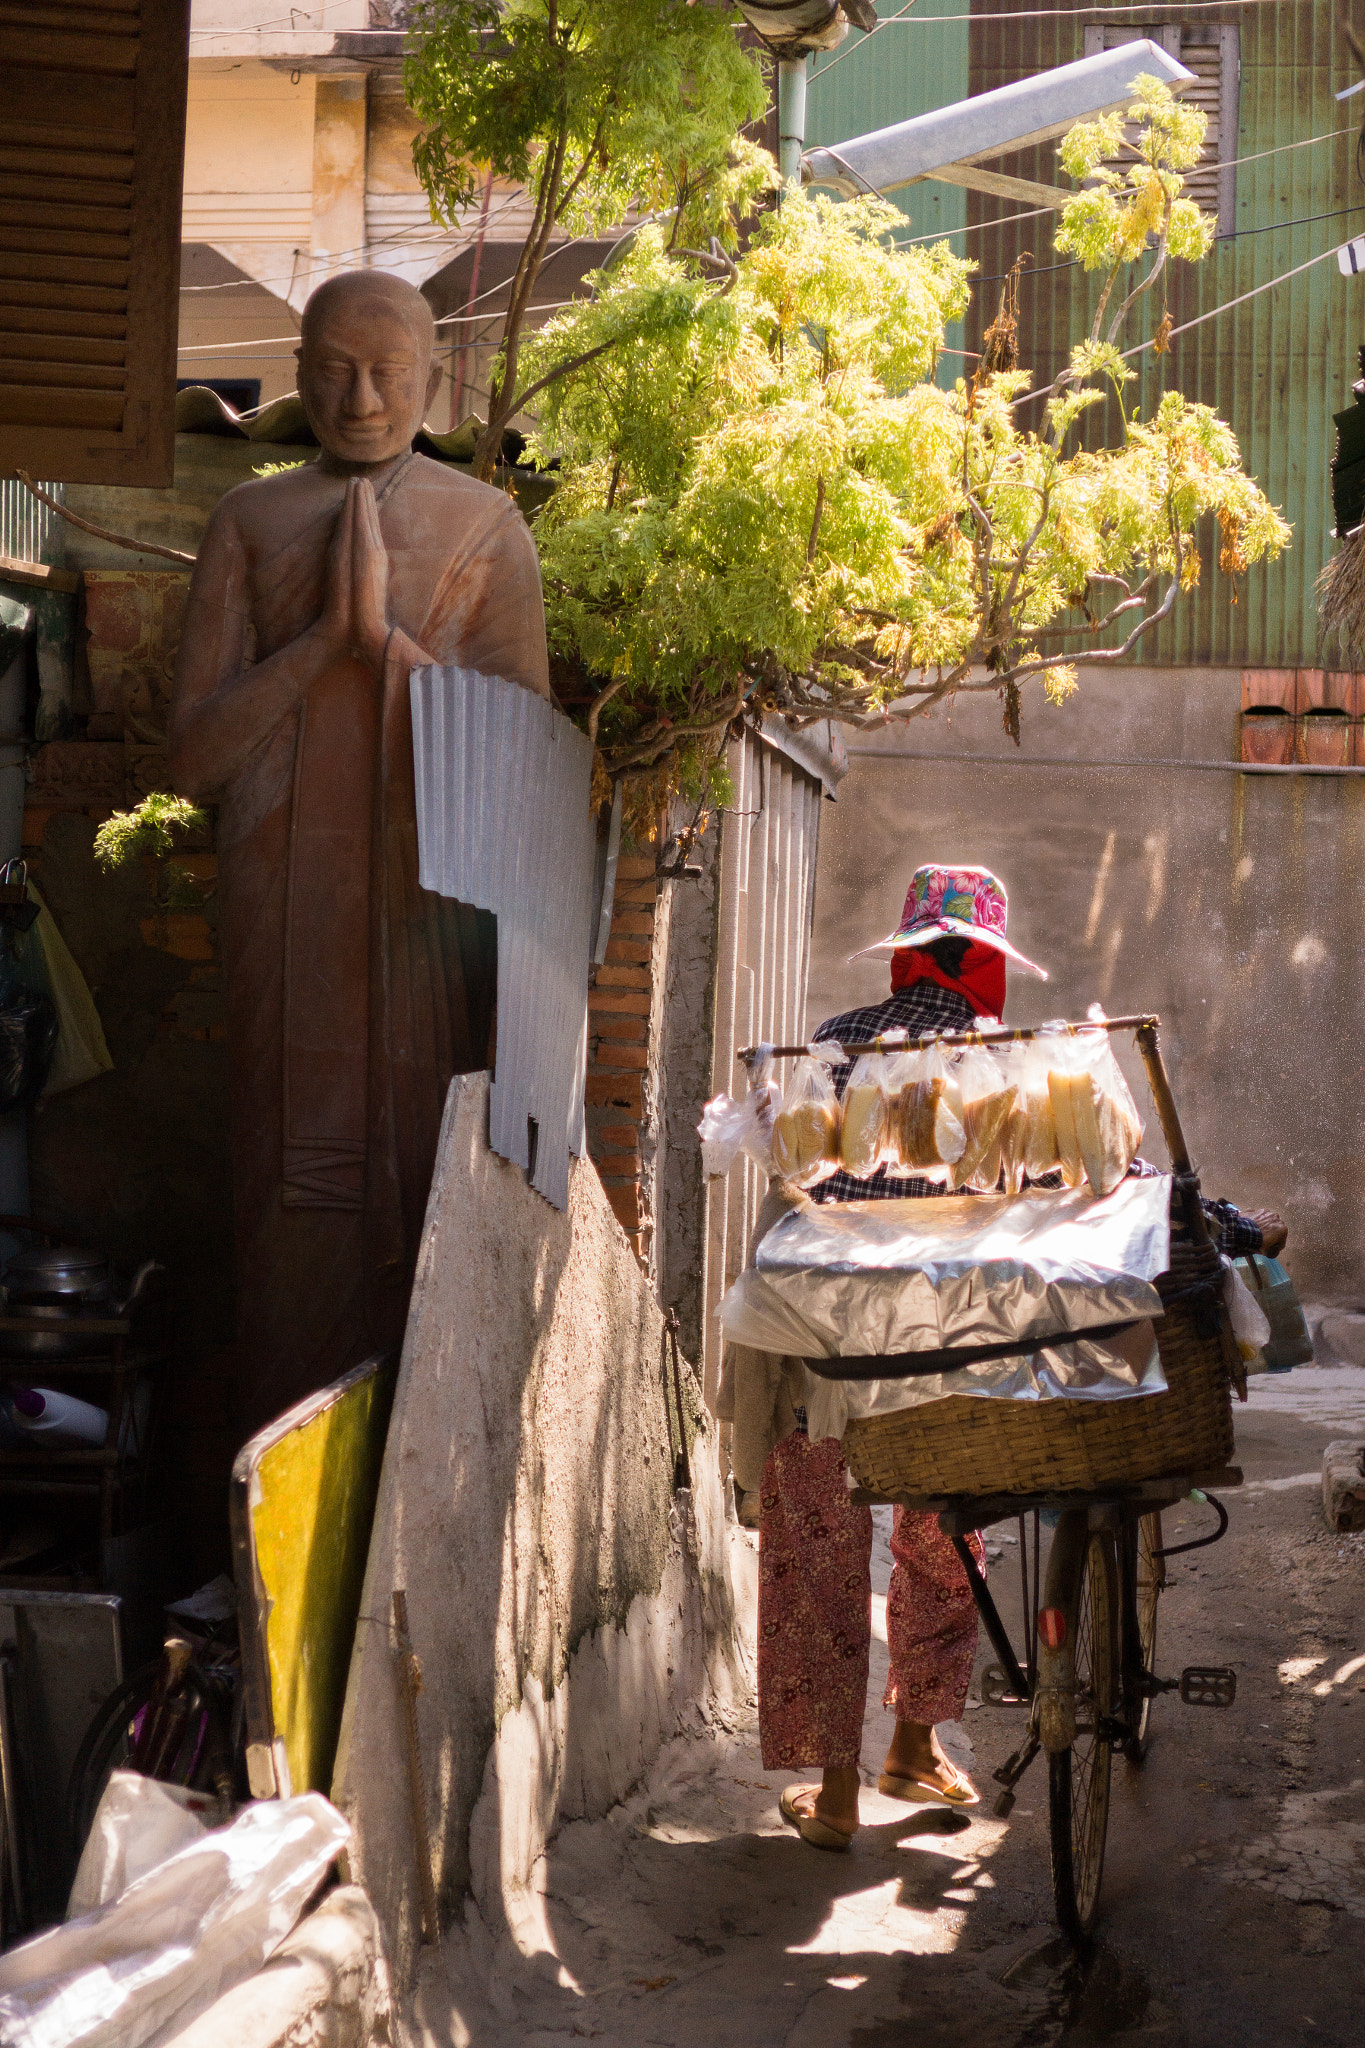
527, 1509
1227, 903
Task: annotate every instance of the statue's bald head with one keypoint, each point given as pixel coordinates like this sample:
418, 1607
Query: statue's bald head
367, 368
352, 290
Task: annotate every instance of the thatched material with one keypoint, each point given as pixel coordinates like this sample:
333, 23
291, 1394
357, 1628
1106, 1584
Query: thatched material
1341, 598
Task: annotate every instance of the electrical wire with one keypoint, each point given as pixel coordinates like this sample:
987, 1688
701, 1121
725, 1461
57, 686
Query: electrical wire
834, 62
1030, 14
446, 319
213, 348
1141, 347
1007, 219
204, 35
1305, 220
400, 238
279, 20
1074, 13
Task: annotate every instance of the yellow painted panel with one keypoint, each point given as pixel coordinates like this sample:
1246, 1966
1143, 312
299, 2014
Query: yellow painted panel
311, 1523
249, 131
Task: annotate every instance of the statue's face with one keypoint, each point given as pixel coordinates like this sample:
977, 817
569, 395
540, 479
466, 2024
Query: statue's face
365, 380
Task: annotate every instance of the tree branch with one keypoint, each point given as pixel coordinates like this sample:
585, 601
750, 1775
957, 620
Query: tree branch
815, 523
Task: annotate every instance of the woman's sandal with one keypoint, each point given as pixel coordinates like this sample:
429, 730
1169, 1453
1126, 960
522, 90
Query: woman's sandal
809, 1826
961, 1792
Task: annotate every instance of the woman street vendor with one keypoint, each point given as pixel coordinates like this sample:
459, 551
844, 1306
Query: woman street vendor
948, 958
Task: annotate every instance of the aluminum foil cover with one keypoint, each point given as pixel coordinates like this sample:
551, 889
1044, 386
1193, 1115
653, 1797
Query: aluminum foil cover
850, 1278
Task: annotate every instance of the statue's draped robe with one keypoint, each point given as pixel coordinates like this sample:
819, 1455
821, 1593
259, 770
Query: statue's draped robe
353, 994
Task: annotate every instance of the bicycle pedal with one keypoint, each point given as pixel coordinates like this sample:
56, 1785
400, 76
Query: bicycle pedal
1208, 1685
996, 1690
1004, 1804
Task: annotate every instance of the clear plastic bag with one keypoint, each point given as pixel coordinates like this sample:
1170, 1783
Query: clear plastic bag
805, 1143
728, 1127
81, 1052
865, 1133
927, 1133
988, 1097
1250, 1324
1098, 1126
138, 1824
138, 1969
1028, 1142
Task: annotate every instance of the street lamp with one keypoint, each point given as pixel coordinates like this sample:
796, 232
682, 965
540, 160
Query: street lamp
952, 143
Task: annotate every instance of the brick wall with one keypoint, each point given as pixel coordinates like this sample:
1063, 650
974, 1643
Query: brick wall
618, 1046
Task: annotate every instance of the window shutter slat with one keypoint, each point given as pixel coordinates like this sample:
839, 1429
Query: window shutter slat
1211, 53
92, 105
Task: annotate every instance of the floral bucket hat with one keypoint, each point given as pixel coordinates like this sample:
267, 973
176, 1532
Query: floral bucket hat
954, 903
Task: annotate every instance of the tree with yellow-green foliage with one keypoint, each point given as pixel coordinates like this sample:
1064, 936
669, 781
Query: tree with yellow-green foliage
766, 504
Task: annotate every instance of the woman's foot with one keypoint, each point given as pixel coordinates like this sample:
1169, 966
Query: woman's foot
918, 1768
825, 1814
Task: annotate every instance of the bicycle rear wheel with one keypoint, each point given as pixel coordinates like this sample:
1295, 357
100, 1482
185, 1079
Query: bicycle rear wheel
1078, 1791
105, 1747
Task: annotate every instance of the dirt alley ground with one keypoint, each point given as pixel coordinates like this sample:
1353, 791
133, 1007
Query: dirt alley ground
1233, 1906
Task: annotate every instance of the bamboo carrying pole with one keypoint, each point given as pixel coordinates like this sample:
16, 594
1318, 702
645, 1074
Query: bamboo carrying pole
1001, 1035
410, 1684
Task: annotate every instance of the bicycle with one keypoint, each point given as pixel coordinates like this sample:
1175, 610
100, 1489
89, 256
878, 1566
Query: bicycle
178, 1719
1087, 1675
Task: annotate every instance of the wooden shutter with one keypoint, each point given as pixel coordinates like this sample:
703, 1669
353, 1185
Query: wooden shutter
1212, 53
92, 137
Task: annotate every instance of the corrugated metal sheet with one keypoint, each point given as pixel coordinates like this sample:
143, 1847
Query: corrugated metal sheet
769, 842
504, 823
29, 530
1276, 368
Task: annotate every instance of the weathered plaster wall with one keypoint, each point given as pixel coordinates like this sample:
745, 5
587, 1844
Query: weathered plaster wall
568, 1609
1231, 904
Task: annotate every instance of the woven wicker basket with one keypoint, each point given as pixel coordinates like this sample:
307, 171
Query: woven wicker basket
968, 1445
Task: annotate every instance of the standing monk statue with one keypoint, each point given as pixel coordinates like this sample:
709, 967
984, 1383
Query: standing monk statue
353, 993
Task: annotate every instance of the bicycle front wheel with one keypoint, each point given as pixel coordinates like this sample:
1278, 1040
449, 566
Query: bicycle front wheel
1078, 1799
1150, 1575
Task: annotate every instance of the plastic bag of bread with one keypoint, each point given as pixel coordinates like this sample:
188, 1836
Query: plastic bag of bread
1028, 1142
988, 1097
806, 1128
927, 1137
1098, 1126
729, 1127
865, 1133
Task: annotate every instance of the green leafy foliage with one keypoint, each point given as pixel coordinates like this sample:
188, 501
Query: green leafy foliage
767, 505
595, 106
149, 828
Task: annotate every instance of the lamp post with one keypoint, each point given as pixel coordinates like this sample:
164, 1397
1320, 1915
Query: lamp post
791, 116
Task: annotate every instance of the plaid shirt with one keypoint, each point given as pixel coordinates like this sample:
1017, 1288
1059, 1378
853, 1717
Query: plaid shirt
918, 1010
927, 1007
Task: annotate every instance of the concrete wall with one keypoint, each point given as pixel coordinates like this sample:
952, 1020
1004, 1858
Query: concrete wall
1229, 903
570, 1610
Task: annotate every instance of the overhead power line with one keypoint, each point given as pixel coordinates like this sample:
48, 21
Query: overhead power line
898, 19
1005, 220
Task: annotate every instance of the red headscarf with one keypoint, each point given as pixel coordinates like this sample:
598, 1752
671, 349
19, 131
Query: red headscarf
981, 978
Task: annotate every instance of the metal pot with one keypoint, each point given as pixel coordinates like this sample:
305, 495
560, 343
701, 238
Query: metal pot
56, 1274
61, 1286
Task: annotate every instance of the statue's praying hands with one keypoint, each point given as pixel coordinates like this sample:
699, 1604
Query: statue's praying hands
355, 611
